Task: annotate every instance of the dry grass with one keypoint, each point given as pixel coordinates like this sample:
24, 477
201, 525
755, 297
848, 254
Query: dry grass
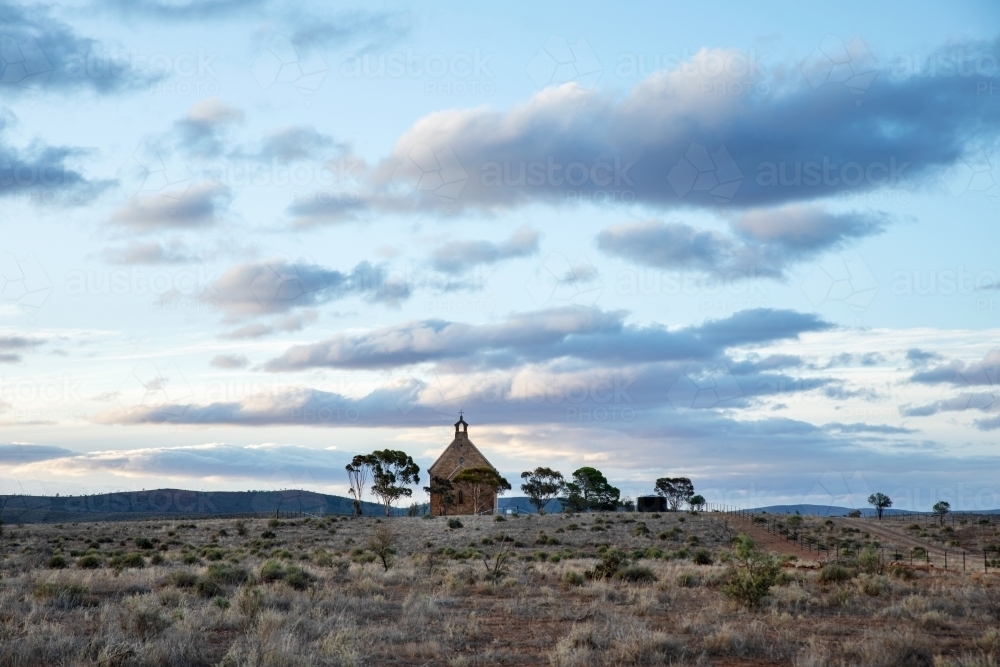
314, 593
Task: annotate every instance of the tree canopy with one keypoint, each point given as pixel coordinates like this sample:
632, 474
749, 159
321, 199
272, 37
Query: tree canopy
590, 490
677, 490
542, 485
880, 502
482, 481
392, 473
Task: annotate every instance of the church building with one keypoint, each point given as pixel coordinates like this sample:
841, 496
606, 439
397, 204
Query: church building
458, 456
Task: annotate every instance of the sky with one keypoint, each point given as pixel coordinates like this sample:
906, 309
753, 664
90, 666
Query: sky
243, 242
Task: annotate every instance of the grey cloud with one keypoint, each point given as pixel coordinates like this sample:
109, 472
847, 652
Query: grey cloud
229, 361
11, 347
295, 322
42, 168
41, 52
201, 132
278, 286
764, 242
296, 143
960, 374
18, 454
194, 207
583, 333
460, 256
918, 357
670, 145
193, 10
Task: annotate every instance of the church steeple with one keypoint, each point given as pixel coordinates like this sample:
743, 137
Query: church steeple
461, 423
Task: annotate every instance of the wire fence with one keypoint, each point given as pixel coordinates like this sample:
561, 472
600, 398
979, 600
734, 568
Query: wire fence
909, 550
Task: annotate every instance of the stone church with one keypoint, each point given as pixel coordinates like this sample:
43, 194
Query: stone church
458, 456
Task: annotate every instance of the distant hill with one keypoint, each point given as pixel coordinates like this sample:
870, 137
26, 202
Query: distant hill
824, 510
130, 505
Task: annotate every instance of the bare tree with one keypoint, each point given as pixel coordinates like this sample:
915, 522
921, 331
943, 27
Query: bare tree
358, 472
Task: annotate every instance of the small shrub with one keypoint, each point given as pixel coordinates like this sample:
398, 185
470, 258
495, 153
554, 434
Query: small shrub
183, 579
701, 557
272, 570
64, 596
268, 535
498, 518
143, 543
833, 573
207, 588
190, 559
752, 573
89, 562
156, 559
687, 580
241, 528
133, 560
57, 562
222, 573
298, 578
573, 578
611, 562
637, 574
250, 602
221, 602
454, 523
273, 523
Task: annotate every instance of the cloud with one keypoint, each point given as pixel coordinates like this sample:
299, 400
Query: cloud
149, 252
277, 286
21, 453
201, 131
210, 462
764, 242
299, 142
39, 51
295, 322
39, 167
985, 373
581, 333
918, 357
11, 347
461, 256
669, 145
194, 207
194, 10
229, 361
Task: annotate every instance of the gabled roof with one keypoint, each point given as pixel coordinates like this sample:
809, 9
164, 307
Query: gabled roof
465, 448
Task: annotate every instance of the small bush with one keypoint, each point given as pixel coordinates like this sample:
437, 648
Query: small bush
611, 562
833, 573
143, 543
89, 562
221, 573
156, 559
190, 559
273, 523
134, 560
752, 573
498, 518
298, 578
221, 602
573, 578
250, 602
272, 570
268, 535
183, 579
207, 588
57, 562
454, 523
637, 574
64, 596
241, 528
701, 557
687, 580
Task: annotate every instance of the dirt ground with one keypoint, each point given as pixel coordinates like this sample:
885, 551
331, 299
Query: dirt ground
314, 591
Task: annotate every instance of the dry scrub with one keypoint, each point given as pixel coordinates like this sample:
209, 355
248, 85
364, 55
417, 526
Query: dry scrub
592, 589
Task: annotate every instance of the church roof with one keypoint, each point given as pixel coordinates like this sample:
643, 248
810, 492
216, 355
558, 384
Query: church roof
460, 454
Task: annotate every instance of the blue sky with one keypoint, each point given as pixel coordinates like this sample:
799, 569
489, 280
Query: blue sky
243, 242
